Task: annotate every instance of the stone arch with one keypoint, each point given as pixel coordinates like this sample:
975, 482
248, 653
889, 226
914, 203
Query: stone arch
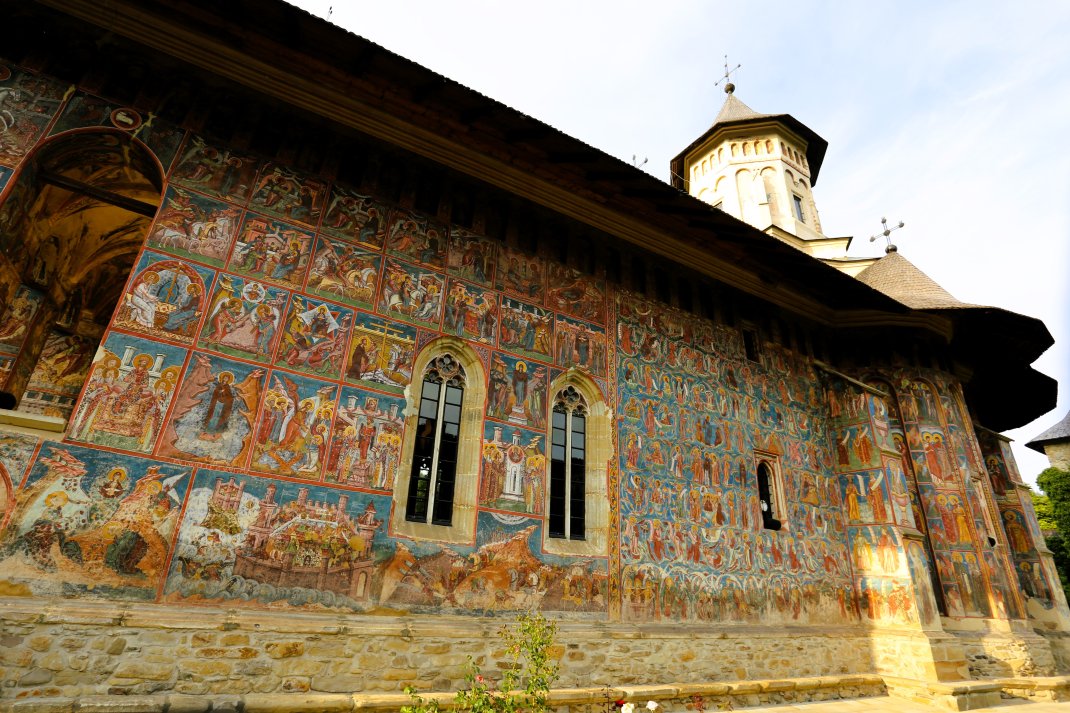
72, 221
466, 487
599, 455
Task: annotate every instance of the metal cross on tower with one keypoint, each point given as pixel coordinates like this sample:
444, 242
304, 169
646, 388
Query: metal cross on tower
887, 234
729, 87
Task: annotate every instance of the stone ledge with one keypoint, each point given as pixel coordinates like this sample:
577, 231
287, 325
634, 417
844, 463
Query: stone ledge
741, 693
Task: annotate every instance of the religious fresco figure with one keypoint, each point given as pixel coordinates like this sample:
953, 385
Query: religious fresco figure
271, 251
95, 522
580, 344
471, 257
194, 226
517, 391
314, 337
293, 434
356, 217
521, 275
514, 469
418, 238
243, 318
344, 273
219, 172
126, 396
572, 292
27, 104
284, 193
411, 294
526, 330
166, 299
366, 439
212, 419
382, 353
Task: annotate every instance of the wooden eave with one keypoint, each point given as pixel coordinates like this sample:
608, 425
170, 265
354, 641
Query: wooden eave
292, 57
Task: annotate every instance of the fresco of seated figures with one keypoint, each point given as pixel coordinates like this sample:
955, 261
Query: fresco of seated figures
244, 318
344, 273
194, 226
314, 337
58, 376
572, 292
382, 353
271, 251
283, 193
417, 238
471, 257
257, 542
214, 411
517, 391
693, 416
412, 294
521, 275
165, 298
32, 102
356, 218
514, 469
526, 330
93, 523
84, 110
294, 431
219, 172
471, 312
125, 400
581, 345
366, 439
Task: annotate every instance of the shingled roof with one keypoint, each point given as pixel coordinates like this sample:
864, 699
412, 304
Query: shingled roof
735, 110
900, 279
1058, 432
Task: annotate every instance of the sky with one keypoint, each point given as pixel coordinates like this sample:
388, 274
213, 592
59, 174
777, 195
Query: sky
949, 116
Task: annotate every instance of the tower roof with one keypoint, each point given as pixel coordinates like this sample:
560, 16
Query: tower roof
900, 279
1058, 432
735, 113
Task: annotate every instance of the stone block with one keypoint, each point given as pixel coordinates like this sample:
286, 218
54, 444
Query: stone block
285, 649
36, 677
337, 684
329, 703
141, 671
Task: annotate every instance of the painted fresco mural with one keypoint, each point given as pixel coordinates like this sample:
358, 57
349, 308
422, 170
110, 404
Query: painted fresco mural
93, 523
261, 352
28, 102
58, 375
692, 413
14, 326
249, 541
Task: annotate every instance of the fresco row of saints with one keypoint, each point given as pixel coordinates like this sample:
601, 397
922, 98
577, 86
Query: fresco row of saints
232, 314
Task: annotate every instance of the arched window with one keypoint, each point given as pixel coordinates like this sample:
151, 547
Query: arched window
767, 499
568, 466
436, 493
433, 473
580, 450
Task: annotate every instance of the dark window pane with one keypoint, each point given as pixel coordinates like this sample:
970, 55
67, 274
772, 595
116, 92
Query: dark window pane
556, 522
559, 419
454, 395
430, 390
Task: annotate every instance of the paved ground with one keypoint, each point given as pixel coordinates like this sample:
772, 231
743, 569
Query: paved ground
884, 704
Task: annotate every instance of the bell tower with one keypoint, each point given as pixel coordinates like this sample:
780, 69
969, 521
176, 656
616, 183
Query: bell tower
760, 168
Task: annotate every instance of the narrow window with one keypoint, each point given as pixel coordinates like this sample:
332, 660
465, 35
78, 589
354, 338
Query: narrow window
797, 200
568, 466
750, 344
438, 430
766, 497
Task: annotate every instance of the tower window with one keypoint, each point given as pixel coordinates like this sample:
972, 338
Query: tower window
798, 203
767, 496
568, 466
434, 460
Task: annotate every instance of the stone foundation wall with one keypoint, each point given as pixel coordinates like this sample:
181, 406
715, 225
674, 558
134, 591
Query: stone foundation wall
1004, 654
917, 655
76, 649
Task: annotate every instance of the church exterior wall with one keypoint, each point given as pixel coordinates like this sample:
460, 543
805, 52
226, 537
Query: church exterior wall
267, 336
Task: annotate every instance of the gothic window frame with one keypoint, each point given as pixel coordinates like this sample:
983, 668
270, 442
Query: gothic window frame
462, 527
775, 517
597, 456
568, 434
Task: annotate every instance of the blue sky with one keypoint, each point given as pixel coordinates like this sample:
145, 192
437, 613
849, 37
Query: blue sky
950, 116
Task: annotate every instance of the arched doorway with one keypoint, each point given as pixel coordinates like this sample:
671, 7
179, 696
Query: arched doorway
71, 224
